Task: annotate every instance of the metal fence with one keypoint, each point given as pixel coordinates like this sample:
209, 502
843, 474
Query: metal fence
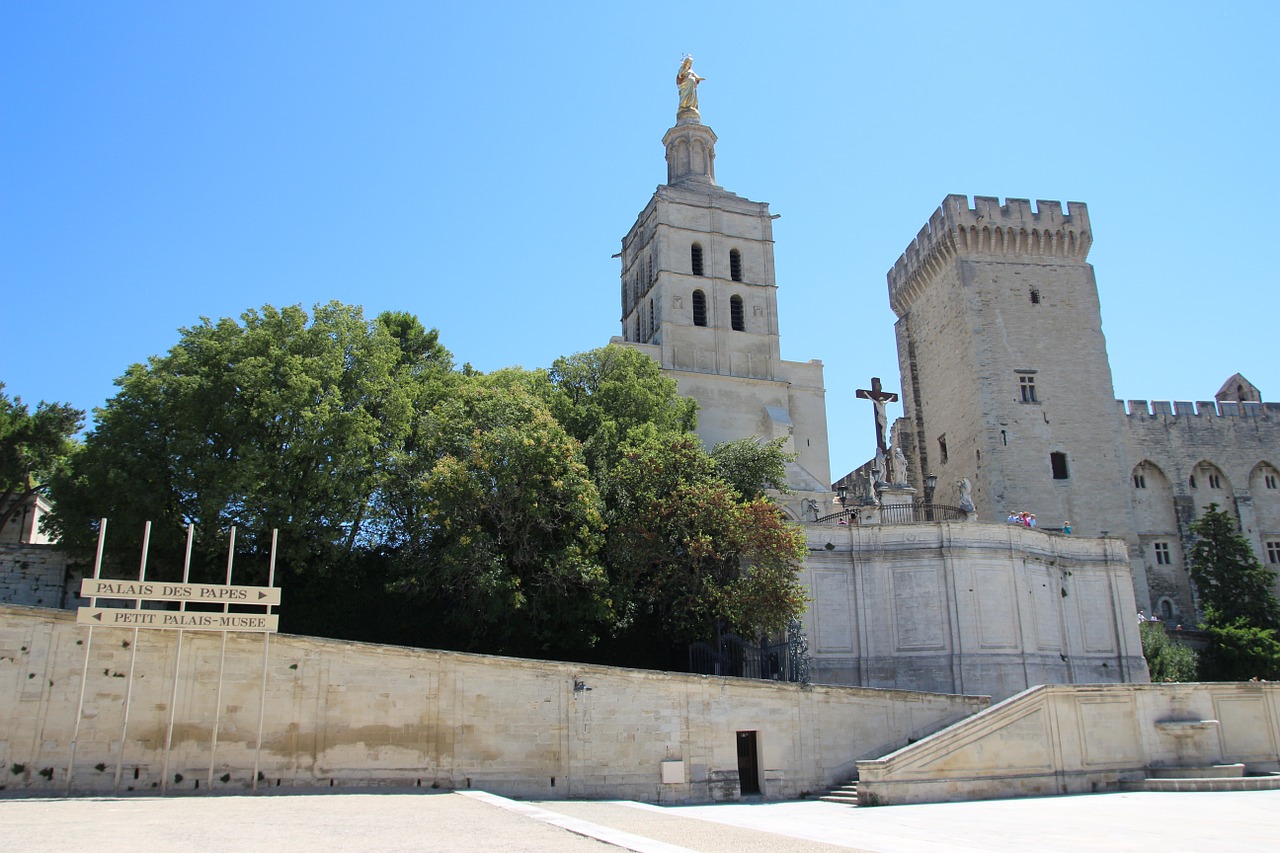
916, 512
732, 656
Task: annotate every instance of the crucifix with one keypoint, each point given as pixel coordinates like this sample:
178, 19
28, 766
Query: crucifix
879, 399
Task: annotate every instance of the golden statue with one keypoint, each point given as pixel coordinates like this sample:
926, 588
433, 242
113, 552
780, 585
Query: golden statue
688, 82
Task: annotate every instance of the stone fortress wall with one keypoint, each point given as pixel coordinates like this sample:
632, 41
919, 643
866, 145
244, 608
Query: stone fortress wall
338, 713
1183, 458
1005, 374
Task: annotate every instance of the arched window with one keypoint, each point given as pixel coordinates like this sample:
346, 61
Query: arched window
699, 308
695, 258
735, 265
735, 314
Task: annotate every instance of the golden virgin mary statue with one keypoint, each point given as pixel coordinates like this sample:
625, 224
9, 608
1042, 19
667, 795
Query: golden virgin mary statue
687, 82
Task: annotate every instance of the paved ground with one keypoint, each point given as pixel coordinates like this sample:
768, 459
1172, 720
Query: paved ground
395, 821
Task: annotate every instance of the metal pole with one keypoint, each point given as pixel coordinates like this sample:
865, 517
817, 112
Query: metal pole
84, 675
177, 661
222, 660
133, 657
266, 649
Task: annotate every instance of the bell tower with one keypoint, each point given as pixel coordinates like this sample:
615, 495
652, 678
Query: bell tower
699, 295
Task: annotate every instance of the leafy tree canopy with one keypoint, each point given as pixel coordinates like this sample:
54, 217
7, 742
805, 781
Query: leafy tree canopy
34, 447
685, 549
752, 466
277, 420
1167, 660
600, 395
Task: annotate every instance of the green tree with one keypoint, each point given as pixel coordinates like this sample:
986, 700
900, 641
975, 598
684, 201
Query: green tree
600, 395
504, 552
1167, 660
1232, 583
686, 550
34, 448
278, 420
1241, 614
752, 466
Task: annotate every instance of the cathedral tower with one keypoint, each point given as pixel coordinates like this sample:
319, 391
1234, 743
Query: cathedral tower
700, 297
1004, 365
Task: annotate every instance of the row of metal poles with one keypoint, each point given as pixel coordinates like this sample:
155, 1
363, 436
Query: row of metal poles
173, 698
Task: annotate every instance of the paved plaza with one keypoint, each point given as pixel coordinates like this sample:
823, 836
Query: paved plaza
464, 821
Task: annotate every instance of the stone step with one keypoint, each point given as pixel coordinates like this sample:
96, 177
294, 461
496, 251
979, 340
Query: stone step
1267, 782
846, 794
1213, 771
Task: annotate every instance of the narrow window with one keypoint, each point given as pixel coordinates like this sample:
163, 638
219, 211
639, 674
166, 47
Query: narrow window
1058, 462
1035, 296
1139, 481
942, 447
1270, 480
735, 265
695, 257
653, 327
699, 308
1273, 553
1162, 553
1027, 386
1215, 482
1193, 481
735, 314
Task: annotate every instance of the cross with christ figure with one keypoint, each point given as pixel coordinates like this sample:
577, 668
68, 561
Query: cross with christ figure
879, 399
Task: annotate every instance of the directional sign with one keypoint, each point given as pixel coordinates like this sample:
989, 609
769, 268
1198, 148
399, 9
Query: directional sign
155, 591
261, 623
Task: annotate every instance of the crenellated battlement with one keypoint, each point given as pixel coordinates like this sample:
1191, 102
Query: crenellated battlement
1142, 409
988, 228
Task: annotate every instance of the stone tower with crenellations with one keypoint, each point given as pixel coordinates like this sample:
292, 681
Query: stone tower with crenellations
1004, 365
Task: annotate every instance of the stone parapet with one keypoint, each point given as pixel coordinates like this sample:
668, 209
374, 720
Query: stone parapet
989, 228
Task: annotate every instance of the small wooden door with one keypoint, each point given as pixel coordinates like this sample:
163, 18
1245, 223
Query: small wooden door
748, 763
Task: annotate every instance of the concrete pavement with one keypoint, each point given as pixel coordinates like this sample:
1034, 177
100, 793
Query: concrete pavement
398, 820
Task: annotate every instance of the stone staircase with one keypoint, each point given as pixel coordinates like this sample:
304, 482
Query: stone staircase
846, 794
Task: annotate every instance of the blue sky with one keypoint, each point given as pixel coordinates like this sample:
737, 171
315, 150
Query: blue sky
478, 164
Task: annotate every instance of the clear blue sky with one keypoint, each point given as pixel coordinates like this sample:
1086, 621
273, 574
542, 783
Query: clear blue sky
478, 164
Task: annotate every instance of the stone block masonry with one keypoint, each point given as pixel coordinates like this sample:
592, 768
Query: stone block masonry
349, 714
39, 576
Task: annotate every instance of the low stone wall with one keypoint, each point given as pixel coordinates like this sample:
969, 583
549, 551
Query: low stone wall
343, 714
1066, 739
39, 576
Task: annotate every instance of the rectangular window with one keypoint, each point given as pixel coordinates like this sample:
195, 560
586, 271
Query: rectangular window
1215, 482
1139, 481
1273, 553
942, 447
1270, 480
1027, 387
1162, 553
1058, 463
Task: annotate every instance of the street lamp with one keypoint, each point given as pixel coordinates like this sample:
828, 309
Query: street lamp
930, 483
842, 494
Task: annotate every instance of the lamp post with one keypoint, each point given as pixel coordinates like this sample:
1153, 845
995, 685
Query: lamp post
842, 495
930, 484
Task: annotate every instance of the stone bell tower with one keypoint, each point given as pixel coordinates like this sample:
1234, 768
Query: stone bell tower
699, 296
